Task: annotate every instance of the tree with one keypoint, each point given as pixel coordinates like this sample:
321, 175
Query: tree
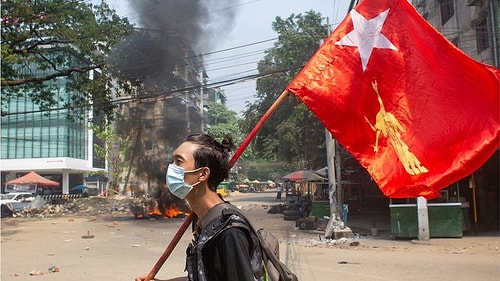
112, 148
223, 122
293, 134
52, 44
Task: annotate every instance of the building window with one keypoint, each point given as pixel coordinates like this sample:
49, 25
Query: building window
41, 134
29, 132
447, 8
482, 36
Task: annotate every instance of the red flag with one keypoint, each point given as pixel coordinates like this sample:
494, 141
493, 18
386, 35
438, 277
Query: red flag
412, 108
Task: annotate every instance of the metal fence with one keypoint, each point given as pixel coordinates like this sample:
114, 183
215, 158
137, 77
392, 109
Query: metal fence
60, 198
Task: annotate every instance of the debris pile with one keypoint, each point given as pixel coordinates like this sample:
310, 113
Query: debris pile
116, 205
88, 206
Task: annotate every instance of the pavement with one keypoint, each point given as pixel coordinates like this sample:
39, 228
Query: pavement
108, 247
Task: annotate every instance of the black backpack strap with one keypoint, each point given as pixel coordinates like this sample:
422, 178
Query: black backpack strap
212, 214
225, 209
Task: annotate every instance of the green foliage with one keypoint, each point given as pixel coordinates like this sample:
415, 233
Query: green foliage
264, 170
218, 113
223, 122
292, 134
97, 173
53, 45
111, 147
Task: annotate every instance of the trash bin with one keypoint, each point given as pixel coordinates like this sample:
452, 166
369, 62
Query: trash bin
445, 220
320, 209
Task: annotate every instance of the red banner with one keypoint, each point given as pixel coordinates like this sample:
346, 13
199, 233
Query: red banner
412, 108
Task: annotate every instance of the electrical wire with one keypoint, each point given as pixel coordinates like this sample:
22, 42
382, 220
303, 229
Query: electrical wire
169, 94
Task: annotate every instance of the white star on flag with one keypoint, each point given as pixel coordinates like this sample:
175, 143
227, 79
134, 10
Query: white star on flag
366, 35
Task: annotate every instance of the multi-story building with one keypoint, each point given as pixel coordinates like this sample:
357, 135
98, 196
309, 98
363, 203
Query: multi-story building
47, 142
472, 25
167, 104
215, 95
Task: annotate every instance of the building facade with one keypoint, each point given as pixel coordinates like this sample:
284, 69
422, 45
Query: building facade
471, 25
474, 27
47, 141
167, 104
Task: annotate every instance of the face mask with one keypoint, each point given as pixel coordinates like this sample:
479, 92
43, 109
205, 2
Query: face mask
175, 181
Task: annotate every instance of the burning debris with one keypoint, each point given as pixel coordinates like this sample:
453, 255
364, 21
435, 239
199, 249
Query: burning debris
161, 205
151, 209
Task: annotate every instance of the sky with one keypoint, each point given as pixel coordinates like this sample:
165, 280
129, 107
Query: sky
237, 47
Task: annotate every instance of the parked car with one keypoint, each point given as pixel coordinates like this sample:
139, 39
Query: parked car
17, 200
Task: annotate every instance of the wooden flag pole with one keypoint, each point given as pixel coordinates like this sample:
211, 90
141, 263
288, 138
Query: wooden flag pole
257, 127
182, 229
170, 248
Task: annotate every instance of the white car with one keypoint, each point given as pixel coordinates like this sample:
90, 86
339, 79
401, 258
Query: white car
17, 200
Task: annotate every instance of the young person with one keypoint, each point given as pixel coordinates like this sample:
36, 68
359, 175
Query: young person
223, 248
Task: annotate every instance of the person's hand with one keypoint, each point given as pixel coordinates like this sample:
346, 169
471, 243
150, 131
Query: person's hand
142, 277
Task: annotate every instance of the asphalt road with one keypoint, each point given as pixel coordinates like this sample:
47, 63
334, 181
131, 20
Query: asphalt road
123, 247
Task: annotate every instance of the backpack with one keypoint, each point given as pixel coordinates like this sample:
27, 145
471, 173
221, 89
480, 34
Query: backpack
274, 269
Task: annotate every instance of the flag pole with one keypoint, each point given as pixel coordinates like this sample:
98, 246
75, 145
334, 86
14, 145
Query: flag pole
151, 275
170, 248
257, 127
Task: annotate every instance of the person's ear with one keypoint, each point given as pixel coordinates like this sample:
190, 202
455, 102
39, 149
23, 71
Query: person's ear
204, 174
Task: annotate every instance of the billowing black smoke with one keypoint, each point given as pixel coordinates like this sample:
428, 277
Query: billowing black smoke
155, 61
169, 31
204, 22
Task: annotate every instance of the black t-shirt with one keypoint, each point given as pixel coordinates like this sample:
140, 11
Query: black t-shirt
227, 256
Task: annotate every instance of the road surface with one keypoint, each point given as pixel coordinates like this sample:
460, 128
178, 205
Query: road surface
122, 247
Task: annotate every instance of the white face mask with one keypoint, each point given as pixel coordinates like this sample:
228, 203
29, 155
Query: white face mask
175, 180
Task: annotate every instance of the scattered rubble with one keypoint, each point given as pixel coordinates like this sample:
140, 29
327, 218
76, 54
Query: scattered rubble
119, 205
52, 269
86, 206
342, 243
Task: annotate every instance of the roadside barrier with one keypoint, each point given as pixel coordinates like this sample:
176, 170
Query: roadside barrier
59, 198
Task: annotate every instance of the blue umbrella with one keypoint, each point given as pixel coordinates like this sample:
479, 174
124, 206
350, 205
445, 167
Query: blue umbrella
80, 187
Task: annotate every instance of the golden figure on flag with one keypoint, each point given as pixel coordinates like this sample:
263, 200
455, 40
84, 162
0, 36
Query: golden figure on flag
387, 124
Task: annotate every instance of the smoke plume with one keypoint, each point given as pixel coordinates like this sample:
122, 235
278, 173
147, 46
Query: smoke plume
204, 22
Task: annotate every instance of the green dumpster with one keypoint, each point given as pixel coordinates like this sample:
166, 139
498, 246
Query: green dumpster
320, 209
445, 220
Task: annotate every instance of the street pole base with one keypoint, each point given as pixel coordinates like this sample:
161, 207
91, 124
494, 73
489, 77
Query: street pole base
341, 233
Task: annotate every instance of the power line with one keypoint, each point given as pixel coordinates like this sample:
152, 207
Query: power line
183, 61
171, 92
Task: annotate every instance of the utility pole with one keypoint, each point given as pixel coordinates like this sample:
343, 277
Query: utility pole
335, 228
